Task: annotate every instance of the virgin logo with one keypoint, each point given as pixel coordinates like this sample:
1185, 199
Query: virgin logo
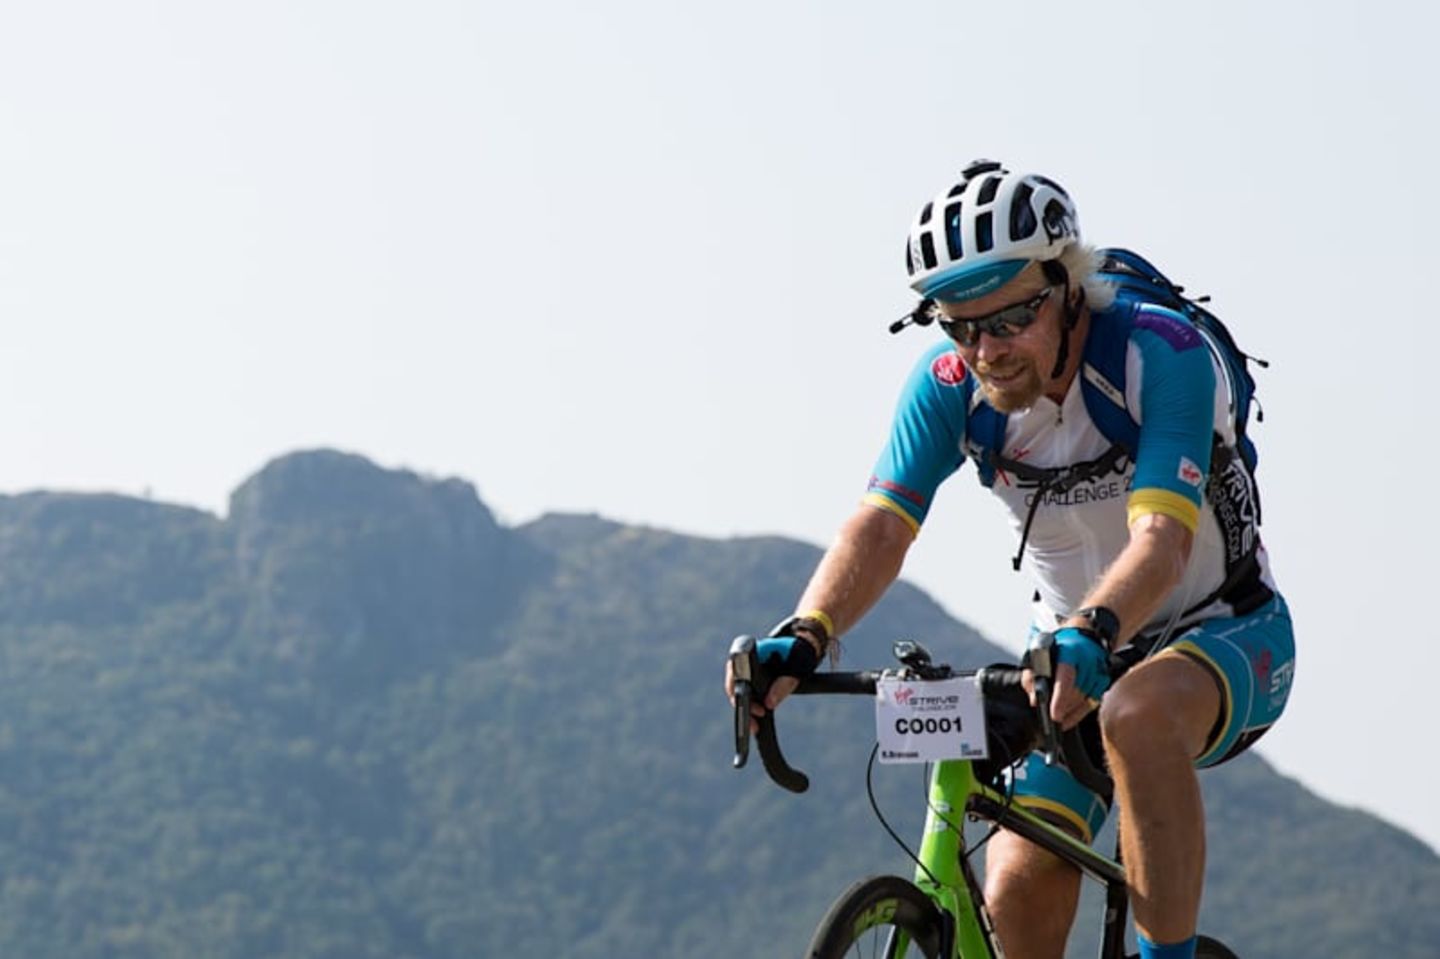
903, 694
948, 368
1189, 472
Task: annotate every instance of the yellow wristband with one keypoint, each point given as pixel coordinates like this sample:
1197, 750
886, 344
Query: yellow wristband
823, 618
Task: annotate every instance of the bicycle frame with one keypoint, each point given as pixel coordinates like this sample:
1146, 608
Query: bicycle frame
953, 786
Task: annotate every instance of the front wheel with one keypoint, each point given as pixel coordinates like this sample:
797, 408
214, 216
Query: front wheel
883, 917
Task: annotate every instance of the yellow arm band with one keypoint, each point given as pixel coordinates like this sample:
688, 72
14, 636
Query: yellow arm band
821, 617
1145, 501
890, 506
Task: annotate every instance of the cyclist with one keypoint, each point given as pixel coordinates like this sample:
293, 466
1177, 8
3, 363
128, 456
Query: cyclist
1160, 549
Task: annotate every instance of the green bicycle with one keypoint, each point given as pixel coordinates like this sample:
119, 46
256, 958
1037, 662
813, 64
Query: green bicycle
940, 914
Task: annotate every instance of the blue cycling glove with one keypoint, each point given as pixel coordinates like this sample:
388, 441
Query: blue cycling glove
787, 656
1087, 654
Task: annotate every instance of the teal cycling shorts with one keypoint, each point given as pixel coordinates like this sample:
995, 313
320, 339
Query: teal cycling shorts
1252, 658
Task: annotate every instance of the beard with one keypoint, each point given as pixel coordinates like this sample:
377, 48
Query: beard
1018, 389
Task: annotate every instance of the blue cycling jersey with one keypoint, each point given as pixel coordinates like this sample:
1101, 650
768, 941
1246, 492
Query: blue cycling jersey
1181, 402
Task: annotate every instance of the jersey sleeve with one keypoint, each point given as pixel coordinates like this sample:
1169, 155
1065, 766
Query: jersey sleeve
925, 437
1177, 417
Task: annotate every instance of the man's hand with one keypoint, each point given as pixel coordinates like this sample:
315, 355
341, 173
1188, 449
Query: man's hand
787, 658
1082, 675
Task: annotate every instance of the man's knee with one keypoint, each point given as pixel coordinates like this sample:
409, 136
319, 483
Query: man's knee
1167, 704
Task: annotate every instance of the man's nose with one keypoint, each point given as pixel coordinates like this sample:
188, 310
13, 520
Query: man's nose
989, 348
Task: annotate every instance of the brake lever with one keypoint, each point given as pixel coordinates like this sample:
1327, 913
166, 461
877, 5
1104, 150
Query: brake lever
1041, 656
751, 685
742, 671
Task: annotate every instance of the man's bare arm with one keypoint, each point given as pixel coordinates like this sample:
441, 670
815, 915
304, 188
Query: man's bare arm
854, 573
1134, 587
1142, 576
859, 566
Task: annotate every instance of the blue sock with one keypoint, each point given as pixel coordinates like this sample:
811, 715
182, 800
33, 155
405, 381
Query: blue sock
1175, 950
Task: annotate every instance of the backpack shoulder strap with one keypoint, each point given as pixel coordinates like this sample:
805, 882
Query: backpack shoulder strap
1102, 376
984, 435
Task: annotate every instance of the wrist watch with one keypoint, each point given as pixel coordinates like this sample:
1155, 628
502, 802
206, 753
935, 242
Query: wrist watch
1102, 621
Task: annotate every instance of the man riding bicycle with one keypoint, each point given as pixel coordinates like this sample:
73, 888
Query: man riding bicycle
1157, 547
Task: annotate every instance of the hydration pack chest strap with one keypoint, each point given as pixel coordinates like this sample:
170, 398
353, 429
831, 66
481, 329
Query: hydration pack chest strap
1050, 480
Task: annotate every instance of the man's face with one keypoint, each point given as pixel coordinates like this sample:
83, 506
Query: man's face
1013, 370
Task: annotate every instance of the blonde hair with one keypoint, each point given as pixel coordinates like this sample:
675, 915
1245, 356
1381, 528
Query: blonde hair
1082, 262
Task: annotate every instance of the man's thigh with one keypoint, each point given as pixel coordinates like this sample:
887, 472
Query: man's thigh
1251, 659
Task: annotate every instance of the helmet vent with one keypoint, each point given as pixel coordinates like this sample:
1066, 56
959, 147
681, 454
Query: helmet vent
952, 232
988, 189
957, 189
927, 251
909, 261
925, 213
984, 232
1022, 217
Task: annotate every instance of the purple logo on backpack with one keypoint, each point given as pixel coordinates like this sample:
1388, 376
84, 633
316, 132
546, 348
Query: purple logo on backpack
1170, 328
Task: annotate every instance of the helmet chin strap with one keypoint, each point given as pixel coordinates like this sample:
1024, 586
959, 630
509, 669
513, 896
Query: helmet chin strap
1057, 275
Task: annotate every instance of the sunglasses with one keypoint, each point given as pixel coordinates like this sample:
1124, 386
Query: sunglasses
1000, 324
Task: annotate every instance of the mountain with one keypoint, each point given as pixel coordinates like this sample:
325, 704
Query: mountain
357, 717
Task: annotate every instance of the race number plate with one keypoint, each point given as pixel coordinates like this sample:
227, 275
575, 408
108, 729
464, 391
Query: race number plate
922, 722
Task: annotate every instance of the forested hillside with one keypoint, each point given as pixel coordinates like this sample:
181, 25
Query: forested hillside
358, 717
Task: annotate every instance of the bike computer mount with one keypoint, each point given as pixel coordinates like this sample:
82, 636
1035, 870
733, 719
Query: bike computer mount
916, 659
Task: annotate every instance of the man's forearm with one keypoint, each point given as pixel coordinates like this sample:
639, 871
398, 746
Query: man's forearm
858, 567
1144, 573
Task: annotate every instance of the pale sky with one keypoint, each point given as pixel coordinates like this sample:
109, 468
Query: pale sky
637, 258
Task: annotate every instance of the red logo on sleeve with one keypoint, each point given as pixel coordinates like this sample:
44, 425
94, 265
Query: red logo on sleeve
948, 368
1190, 473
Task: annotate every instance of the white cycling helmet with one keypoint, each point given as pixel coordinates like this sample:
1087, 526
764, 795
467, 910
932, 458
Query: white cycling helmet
974, 237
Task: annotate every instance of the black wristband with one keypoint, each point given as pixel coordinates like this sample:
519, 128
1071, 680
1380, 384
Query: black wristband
807, 624
1103, 623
